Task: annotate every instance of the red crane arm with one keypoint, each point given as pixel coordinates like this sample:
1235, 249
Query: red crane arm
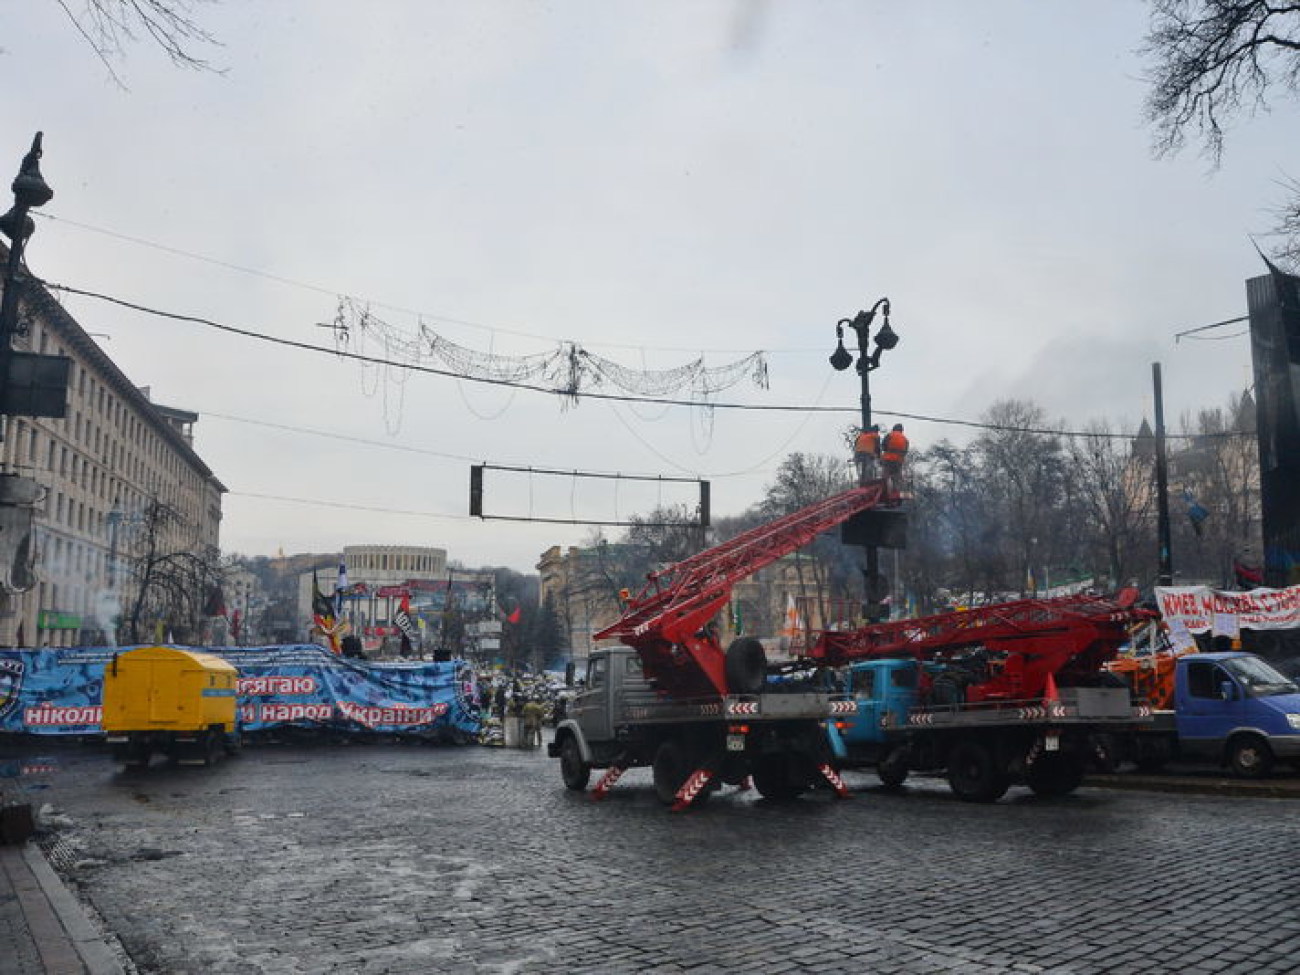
1031, 639
666, 621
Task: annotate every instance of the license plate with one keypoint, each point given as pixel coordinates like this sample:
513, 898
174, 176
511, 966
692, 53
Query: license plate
1053, 743
735, 743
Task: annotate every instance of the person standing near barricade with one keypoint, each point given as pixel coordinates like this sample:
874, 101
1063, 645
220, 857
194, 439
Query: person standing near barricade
893, 451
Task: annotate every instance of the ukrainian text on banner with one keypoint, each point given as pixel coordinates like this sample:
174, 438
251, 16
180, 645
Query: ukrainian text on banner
1194, 608
51, 691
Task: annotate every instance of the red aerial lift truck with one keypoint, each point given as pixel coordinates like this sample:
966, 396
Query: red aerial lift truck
701, 715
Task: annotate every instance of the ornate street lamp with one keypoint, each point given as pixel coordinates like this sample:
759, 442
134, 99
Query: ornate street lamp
875, 586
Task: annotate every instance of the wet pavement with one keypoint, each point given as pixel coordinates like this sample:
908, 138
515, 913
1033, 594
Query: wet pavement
404, 858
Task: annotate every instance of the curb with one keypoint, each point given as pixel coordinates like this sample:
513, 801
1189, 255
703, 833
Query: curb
88, 943
1198, 785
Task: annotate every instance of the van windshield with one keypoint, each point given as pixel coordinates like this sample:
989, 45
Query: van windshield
1258, 678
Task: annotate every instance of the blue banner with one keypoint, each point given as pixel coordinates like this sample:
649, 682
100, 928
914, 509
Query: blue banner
60, 691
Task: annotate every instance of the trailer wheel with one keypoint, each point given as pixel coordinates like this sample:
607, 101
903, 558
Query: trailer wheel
746, 666
669, 771
892, 769
1249, 757
1054, 775
774, 780
575, 772
973, 775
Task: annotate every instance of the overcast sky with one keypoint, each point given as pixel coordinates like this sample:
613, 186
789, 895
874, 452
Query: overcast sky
655, 181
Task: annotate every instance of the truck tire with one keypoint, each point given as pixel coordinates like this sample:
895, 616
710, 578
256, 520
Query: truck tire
670, 771
575, 772
893, 767
774, 781
1249, 757
1055, 774
973, 774
746, 666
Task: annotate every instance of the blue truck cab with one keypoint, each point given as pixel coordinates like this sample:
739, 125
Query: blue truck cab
1233, 708
879, 689
883, 693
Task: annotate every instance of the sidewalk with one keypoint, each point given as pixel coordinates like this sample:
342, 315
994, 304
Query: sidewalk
42, 925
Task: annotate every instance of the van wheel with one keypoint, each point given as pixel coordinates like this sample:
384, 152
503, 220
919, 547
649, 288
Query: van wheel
1249, 757
669, 771
745, 666
973, 775
575, 772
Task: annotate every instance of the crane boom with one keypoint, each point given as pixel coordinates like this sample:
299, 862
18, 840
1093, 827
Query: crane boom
666, 621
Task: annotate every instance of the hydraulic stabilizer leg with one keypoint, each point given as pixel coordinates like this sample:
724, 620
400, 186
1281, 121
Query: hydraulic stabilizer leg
612, 775
695, 783
833, 777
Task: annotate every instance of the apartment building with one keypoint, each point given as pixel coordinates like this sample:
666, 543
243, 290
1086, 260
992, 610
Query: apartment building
116, 470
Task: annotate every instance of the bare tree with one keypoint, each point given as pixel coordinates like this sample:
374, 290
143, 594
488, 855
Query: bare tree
1218, 471
1023, 475
1217, 59
108, 26
1111, 480
171, 582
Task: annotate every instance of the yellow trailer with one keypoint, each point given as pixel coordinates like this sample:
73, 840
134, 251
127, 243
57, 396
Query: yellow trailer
178, 702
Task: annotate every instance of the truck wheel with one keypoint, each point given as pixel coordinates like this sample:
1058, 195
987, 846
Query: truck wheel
973, 776
1054, 775
773, 779
892, 769
212, 747
1249, 757
669, 771
233, 742
575, 772
746, 666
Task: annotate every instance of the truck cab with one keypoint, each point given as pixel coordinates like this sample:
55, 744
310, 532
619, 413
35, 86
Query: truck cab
883, 693
1237, 709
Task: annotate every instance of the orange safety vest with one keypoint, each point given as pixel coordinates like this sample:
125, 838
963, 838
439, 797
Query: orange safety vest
894, 449
868, 442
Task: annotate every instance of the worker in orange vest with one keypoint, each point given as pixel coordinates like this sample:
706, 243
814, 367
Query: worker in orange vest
866, 451
893, 451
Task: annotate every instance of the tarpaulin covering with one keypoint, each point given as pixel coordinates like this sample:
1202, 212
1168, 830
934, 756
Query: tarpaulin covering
59, 691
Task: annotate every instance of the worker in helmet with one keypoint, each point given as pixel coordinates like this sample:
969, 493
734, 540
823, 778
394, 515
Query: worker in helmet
866, 451
893, 451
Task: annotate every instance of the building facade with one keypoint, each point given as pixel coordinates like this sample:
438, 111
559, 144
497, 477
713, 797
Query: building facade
117, 471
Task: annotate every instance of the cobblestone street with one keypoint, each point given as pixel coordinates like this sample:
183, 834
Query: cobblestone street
405, 858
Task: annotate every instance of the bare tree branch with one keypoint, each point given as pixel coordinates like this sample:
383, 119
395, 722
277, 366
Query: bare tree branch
108, 26
1215, 60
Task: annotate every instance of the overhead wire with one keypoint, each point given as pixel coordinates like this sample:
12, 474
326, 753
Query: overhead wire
614, 397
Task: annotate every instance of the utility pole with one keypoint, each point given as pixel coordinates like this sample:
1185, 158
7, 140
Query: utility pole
1165, 571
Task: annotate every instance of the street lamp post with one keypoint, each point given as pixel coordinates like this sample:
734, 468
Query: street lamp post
868, 361
30, 190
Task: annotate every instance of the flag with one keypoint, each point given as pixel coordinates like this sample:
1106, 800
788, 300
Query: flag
234, 625
321, 607
322, 611
402, 620
1195, 513
514, 617
339, 588
791, 626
